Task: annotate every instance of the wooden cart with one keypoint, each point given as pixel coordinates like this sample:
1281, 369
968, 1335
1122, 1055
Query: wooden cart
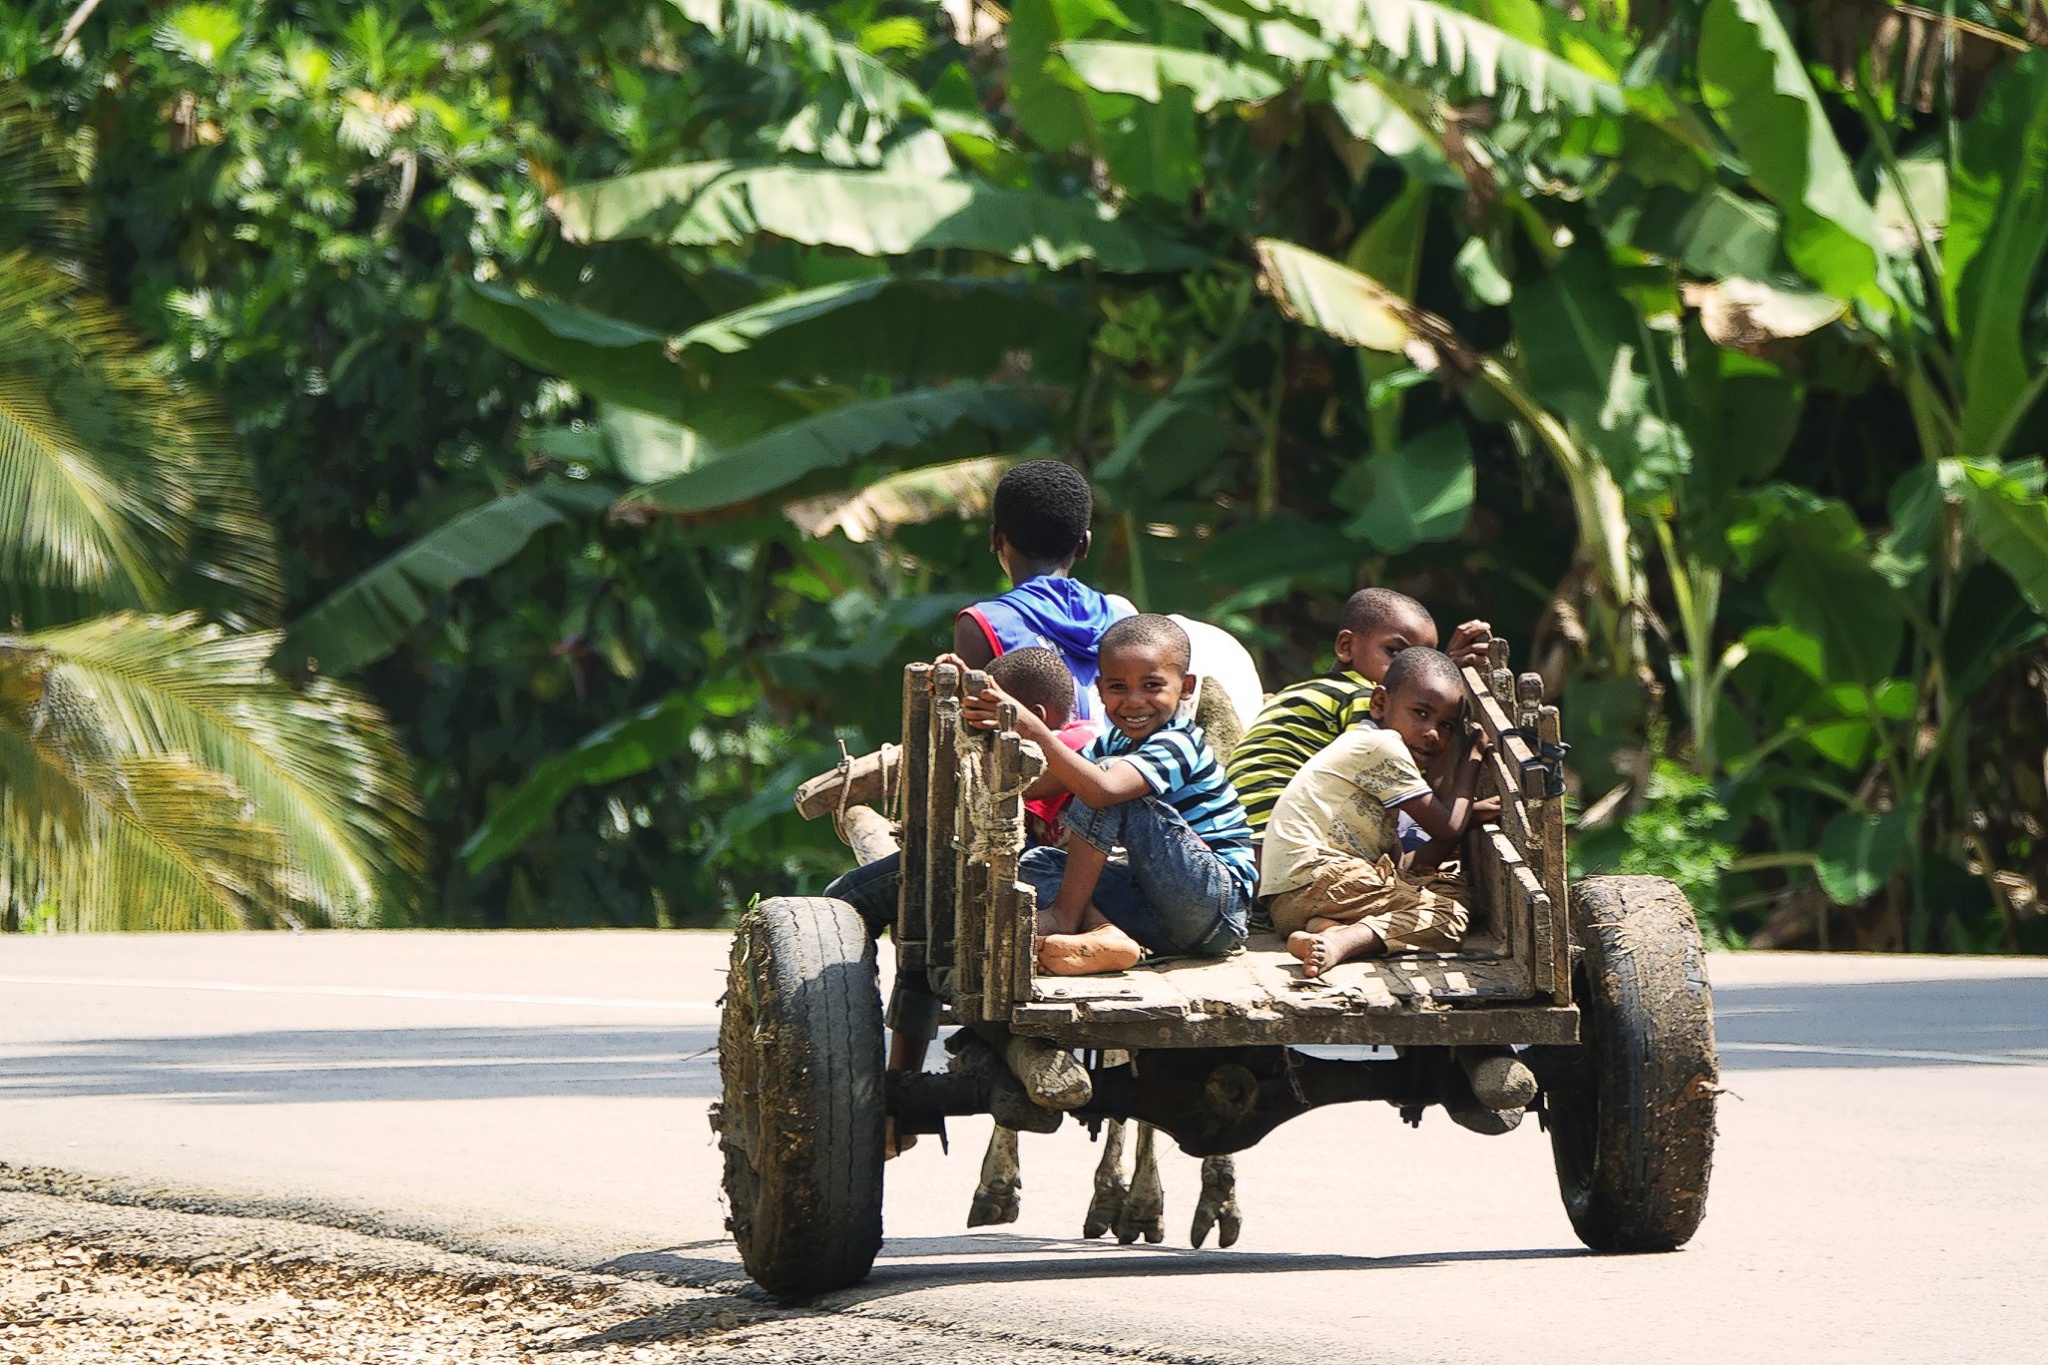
1598, 988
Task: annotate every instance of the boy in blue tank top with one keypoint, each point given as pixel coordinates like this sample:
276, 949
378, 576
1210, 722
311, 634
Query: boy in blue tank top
1038, 530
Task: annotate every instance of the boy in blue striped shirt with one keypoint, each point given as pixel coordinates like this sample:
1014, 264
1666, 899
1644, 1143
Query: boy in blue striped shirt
1150, 786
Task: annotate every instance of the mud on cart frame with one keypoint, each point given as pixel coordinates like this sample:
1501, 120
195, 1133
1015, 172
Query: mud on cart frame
1594, 997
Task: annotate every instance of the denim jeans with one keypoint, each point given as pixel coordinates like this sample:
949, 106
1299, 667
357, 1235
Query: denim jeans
1174, 895
871, 890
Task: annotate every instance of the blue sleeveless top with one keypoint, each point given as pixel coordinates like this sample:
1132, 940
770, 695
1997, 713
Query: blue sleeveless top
1064, 615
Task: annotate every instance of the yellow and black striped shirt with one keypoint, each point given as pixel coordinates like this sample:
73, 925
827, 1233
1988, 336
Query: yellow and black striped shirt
1300, 721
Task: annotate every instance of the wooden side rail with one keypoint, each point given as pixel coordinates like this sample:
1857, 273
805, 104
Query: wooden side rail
1525, 769
977, 917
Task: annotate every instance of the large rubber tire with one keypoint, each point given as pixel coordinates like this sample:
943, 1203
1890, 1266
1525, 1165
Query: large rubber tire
800, 1053
1631, 1109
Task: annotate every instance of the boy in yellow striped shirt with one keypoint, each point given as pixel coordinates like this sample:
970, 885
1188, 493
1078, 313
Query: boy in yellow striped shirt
1305, 717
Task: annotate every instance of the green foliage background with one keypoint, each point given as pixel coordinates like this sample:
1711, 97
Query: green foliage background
1707, 373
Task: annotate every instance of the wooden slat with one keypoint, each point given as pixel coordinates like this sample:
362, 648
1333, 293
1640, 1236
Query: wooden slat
913, 926
1490, 884
1548, 817
1025, 901
1514, 814
863, 782
1524, 928
1528, 699
1507, 741
971, 962
970, 870
1463, 1026
941, 820
868, 833
1000, 839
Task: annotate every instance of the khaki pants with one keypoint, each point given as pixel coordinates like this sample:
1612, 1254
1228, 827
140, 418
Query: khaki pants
1412, 914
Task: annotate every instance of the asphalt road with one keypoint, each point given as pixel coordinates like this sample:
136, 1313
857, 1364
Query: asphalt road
1881, 1187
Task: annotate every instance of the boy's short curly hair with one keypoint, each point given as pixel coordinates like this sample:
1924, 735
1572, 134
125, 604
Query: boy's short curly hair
1037, 677
1042, 508
1149, 628
1420, 663
1371, 608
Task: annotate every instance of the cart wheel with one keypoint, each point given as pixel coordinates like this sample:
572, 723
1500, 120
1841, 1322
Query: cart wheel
800, 1052
1631, 1109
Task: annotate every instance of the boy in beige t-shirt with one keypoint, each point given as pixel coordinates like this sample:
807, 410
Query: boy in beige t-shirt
1329, 870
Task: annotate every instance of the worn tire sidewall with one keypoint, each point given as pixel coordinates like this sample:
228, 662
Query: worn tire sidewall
1633, 1107
800, 1057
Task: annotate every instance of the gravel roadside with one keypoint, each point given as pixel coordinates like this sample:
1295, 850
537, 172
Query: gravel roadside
90, 1283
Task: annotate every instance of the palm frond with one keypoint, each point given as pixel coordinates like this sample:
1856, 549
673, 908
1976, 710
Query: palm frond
92, 838
127, 490
315, 766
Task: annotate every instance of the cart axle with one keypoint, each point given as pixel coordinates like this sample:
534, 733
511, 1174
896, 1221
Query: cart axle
1212, 1101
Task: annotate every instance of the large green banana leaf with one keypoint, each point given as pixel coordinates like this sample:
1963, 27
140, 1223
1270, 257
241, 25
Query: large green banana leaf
624, 747
752, 25
1480, 58
1997, 230
986, 415
364, 619
1752, 77
722, 203
1147, 72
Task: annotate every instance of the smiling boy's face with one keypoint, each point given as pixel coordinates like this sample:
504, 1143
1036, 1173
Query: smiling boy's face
1368, 652
1424, 713
1141, 686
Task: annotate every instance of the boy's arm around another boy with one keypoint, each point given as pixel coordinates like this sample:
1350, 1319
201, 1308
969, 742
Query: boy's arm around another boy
1065, 770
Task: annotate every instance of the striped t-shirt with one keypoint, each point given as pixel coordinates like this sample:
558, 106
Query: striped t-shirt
1177, 764
1300, 722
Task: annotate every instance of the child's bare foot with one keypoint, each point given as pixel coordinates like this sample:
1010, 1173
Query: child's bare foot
1062, 919
1104, 949
1321, 951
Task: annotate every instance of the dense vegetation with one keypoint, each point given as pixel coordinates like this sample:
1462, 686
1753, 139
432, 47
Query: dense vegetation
618, 377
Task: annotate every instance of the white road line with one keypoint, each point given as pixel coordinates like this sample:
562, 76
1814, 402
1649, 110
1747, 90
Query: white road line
1896, 1054
369, 993
230, 1067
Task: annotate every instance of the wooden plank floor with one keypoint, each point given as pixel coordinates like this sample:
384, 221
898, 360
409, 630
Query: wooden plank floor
1265, 984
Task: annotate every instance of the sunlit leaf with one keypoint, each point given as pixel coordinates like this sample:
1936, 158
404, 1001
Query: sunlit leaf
987, 413
1860, 852
1420, 491
963, 489
717, 203
1997, 232
2010, 521
1147, 71
1753, 79
1482, 59
167, 779
1583, 348
118, 487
